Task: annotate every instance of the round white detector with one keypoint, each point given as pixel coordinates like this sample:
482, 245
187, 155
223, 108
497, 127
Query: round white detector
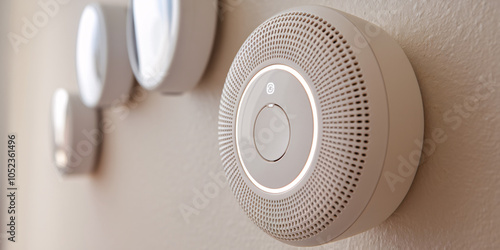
72, 151
103, 72
320, 126
170, 42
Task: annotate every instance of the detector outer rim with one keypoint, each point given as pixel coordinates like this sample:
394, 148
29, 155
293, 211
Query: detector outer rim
401, 88
117, 78
77, 118
195, 35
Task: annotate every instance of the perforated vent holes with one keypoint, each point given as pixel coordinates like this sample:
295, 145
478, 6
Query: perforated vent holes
322, 52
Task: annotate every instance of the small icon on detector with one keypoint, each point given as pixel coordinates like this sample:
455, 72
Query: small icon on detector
270, 88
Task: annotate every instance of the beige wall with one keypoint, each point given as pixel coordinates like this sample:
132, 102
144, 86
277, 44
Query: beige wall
165, 147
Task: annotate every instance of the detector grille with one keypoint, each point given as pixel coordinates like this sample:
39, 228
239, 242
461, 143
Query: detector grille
322, 52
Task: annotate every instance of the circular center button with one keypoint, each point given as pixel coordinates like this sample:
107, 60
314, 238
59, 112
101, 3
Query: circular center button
272, 132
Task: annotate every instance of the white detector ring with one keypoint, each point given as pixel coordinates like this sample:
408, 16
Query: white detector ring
302, 170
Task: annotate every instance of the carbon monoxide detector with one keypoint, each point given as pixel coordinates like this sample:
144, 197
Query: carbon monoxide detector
319, 114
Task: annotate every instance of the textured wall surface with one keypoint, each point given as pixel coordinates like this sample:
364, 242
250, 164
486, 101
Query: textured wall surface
163, 149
